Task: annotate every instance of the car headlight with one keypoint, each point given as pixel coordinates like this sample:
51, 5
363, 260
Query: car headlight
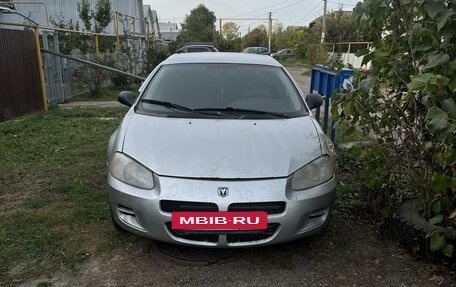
317, 172
130, 171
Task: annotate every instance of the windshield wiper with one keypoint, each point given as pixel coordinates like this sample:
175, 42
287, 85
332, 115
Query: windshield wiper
167, 105
174, 106
239, 110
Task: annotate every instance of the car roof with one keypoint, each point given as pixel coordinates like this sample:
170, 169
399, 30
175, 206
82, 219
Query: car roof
222, 57
198, 45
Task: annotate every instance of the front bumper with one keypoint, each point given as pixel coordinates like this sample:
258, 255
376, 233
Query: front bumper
291, 214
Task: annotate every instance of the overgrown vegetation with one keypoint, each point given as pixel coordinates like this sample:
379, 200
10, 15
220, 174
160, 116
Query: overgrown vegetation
53, 213
407, 109
132, 57
199, 26
96, 21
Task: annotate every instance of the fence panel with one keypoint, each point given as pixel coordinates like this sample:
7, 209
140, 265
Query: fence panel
20, 90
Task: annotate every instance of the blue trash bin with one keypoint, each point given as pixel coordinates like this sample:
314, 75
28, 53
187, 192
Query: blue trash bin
326, 83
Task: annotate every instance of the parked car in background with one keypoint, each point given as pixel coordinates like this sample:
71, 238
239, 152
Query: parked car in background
194, 48
257, 50
220, 150
282, 54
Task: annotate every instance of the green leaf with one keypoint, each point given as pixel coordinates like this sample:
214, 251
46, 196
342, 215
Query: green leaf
348, 107
436, 219
437, 207
450, 232
442, 18
382, 53
437, 242
449, 106
439, 80
436, 60
448, 250
419, 82
438, 119
440, 182
433, 8
452, 86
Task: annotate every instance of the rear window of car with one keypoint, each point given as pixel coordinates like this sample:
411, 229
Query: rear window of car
250, 50
197, 49
199, 86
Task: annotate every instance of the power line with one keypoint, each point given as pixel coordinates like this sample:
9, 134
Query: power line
307, 15
285, 7
261, 9
345, 4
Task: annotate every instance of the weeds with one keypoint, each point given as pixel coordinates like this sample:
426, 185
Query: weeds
52, 192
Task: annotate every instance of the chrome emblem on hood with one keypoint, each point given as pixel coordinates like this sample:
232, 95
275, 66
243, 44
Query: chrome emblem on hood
223, 191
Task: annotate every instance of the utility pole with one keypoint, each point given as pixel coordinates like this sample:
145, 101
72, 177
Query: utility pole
270, 31
220, 26
323, 28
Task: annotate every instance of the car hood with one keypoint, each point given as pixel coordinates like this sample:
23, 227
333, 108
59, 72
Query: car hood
222, 148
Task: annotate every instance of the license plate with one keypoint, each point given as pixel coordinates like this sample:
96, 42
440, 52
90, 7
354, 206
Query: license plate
222, 220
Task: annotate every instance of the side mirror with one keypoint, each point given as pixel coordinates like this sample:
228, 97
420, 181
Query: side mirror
314, 100
127, 98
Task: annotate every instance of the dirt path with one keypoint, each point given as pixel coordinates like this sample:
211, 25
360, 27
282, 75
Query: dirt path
348, 253
91, 104
303, 81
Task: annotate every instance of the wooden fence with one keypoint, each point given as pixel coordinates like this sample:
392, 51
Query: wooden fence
20, 88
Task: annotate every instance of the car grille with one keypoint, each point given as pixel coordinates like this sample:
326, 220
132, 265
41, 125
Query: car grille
172, 206
234, 236
193, 235
245, 236
270, 207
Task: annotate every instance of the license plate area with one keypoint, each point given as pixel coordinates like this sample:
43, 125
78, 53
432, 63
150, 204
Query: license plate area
223, 221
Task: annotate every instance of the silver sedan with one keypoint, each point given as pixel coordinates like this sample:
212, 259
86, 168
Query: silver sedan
220, 150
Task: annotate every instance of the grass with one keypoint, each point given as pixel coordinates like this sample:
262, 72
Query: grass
53, 206
108, 94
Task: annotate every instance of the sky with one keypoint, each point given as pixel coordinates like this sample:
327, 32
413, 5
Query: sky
287, 12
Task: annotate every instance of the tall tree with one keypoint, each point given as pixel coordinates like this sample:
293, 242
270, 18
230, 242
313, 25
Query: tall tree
229, 40
340, 28
230, 31
258, 37
199, 26
95, 21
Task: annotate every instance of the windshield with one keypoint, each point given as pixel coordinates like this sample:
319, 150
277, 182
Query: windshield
231, 89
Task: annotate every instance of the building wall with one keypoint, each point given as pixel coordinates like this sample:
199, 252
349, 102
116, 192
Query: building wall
58, 9
169, 31
151, 16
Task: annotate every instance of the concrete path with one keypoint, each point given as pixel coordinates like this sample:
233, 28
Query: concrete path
91, 104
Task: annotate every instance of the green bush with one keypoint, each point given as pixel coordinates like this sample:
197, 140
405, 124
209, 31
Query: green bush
406, 106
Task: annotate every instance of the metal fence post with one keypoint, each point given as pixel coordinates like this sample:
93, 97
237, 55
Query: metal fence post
59, 68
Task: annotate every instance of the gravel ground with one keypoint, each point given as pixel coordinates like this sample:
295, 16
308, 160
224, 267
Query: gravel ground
348, 253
